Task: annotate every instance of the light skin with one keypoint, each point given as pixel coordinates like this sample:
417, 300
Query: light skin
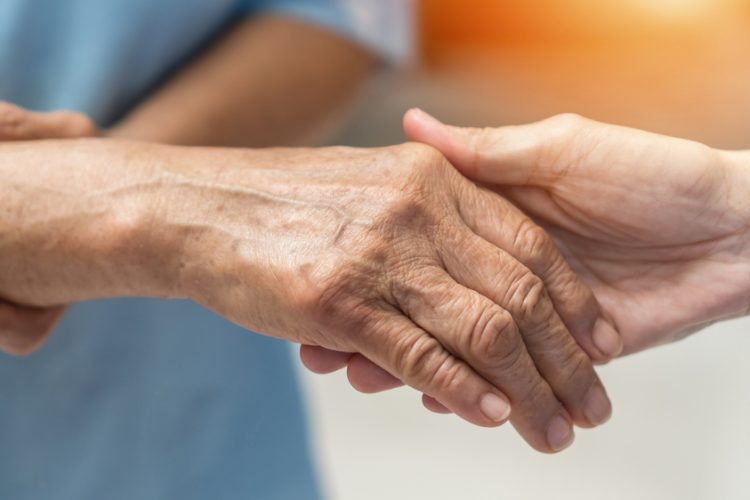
371, 251
187, 110
658, 227
382, 252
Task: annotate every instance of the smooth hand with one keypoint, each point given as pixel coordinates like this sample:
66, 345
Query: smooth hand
656, 226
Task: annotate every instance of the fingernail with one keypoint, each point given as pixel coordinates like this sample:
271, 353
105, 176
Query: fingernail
559, 433
597, 406
606, 338
494, 407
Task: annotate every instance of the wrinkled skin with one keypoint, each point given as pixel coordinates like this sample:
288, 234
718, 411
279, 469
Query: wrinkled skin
656, 226
384, 252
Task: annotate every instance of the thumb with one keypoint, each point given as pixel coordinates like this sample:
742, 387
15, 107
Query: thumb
516, 155
457, 144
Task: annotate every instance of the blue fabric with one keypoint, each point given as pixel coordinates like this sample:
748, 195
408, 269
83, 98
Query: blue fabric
138, 399
135, 399
103, 56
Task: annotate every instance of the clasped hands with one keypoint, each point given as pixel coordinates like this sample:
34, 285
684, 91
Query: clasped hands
572, 243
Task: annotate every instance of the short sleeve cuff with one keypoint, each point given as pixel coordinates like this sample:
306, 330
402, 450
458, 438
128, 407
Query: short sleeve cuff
385, 27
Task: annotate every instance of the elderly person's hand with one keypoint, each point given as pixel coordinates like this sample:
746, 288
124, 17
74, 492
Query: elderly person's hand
656, 226
387, 252
24, 329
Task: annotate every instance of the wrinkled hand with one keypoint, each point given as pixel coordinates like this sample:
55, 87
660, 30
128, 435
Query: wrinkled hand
24, 329
656, 226
387, 253
391, 253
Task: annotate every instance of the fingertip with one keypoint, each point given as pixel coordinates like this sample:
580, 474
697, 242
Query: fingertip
434, 405
368, 378
495, 407
607, 339
418, 115
560, 434
420, 126
597, 406
322, 361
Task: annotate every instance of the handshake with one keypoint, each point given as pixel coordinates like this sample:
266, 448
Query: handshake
488, 269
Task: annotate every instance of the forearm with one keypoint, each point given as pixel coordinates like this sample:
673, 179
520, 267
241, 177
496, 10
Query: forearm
255, 87
99, 218
238, 92
75, 222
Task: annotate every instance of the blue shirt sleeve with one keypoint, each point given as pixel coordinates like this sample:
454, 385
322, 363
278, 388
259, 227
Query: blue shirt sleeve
385, 27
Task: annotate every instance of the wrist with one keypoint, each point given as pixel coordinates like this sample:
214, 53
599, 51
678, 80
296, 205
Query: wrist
204, 217
234, 219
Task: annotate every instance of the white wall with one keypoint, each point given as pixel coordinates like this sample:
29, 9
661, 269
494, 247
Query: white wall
681, 429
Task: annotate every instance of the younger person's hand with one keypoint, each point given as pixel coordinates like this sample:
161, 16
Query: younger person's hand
657, 227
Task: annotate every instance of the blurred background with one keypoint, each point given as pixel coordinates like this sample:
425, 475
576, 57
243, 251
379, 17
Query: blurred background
680, 428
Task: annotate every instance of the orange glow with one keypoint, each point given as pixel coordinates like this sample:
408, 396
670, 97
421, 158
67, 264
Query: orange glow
678, 67
678, 9
447, 22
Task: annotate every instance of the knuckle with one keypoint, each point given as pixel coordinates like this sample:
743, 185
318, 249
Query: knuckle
412, 197
507, 355
422, 154
580, 299
423, 361
531, 299
575, 372
423, 162
418, 286
494, 339
413, 213
535, 245
448, 377
337, 299
415, 354
409, 207
538, 397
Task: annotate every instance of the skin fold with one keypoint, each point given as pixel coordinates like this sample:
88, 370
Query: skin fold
656, 226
